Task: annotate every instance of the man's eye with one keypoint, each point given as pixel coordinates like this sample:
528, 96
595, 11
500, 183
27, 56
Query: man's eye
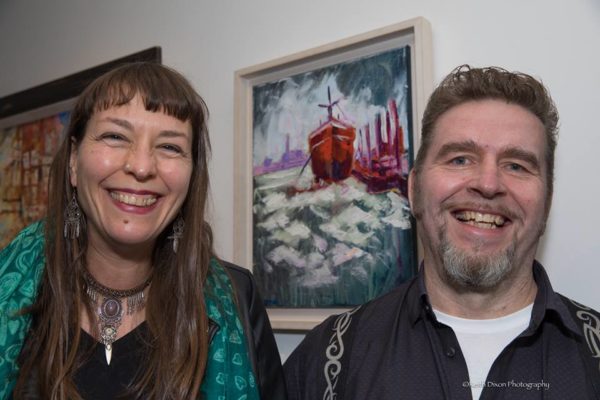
516, 167
459, 161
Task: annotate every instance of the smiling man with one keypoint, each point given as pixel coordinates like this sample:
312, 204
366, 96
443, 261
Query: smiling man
481, 320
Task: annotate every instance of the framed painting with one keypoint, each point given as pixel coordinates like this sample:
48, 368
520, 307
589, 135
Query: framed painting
32, 125
324, 144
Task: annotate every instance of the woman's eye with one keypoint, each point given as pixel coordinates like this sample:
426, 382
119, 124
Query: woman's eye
171, 148
110, 136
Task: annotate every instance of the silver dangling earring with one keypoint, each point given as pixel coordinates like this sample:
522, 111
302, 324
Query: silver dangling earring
178, 227
72, 218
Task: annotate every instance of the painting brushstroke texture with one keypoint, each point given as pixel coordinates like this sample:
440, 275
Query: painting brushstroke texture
332, 149
26, 153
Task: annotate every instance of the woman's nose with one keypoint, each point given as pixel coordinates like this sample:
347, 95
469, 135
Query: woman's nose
141, 163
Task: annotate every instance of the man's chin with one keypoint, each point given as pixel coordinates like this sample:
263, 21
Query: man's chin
477, 283
480, 273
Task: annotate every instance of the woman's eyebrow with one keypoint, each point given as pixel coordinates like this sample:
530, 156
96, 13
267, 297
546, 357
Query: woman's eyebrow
173, 134
123, 123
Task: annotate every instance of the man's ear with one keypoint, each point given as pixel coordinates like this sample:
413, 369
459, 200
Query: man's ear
413, 195
548, 206
73, 163
411, 189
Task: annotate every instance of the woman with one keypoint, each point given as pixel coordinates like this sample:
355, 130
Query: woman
119, 290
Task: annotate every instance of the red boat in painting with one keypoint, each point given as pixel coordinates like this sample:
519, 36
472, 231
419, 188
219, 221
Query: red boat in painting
332, 147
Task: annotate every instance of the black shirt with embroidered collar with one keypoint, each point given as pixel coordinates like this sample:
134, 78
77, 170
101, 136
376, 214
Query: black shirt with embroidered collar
398, 350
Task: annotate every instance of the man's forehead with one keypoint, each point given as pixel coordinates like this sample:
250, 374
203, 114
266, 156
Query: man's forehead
490, 124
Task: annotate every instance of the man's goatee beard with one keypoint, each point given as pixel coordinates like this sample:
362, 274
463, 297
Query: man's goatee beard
472, 272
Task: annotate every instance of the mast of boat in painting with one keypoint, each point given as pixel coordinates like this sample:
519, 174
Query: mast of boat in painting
332, 147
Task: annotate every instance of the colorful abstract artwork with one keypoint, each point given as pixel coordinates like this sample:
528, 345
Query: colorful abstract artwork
332, 149
26, 153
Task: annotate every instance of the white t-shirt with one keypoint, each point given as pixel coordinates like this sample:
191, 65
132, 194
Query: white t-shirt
482, 341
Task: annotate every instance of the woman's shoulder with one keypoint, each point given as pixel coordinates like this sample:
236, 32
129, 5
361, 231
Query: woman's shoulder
31, 234
236, 272
25, 248
237, 281
241, 278
21, 264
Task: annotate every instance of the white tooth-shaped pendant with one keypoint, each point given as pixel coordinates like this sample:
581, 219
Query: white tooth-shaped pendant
108, 352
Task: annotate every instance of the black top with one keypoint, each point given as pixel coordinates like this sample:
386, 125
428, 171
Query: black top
400, 351
96, 380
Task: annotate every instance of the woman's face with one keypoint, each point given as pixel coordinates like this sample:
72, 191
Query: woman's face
132, 170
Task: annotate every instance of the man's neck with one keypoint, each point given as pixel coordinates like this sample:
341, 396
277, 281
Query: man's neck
512, 294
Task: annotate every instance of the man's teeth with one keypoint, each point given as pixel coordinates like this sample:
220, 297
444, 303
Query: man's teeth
481, 220
134, 200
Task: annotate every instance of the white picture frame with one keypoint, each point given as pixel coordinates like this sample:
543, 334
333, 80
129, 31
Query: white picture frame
416, 33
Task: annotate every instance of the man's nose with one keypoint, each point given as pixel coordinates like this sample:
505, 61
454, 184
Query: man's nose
488, 180
141, 163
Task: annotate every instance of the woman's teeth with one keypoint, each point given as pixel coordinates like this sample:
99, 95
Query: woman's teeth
134, 200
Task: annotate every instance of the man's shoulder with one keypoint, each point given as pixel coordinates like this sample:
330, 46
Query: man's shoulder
582, 314
575, 306
313, 364
377, 312
393, 300
588, 322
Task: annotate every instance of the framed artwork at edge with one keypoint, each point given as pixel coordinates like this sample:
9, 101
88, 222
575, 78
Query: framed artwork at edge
32, 125
324, 142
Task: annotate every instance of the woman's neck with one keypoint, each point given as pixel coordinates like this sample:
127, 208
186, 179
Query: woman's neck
115, 270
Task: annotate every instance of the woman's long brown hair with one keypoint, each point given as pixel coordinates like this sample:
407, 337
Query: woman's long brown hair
175, 311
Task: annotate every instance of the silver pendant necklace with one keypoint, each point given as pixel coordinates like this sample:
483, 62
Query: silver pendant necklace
110, 311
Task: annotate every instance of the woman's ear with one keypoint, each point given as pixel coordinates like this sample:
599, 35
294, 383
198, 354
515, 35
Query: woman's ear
73, 163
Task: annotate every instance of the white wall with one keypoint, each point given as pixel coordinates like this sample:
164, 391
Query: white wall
556, 40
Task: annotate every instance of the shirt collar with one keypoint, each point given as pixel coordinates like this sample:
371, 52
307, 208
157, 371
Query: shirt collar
418, 300
547, 303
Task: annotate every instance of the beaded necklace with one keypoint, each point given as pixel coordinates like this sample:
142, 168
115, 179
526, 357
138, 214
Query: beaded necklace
110, 310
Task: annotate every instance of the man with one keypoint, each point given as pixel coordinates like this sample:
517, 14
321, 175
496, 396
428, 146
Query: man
481, 319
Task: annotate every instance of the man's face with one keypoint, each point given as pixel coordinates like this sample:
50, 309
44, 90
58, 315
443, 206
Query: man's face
480, 196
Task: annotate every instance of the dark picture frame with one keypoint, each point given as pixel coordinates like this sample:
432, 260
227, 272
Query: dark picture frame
32, 124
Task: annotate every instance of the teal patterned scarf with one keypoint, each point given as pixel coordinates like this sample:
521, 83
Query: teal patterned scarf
21, 264
228, 372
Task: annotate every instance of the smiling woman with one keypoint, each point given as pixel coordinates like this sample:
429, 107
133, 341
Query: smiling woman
132, 171
119, 292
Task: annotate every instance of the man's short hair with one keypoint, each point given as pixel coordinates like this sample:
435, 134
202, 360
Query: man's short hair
465, 84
